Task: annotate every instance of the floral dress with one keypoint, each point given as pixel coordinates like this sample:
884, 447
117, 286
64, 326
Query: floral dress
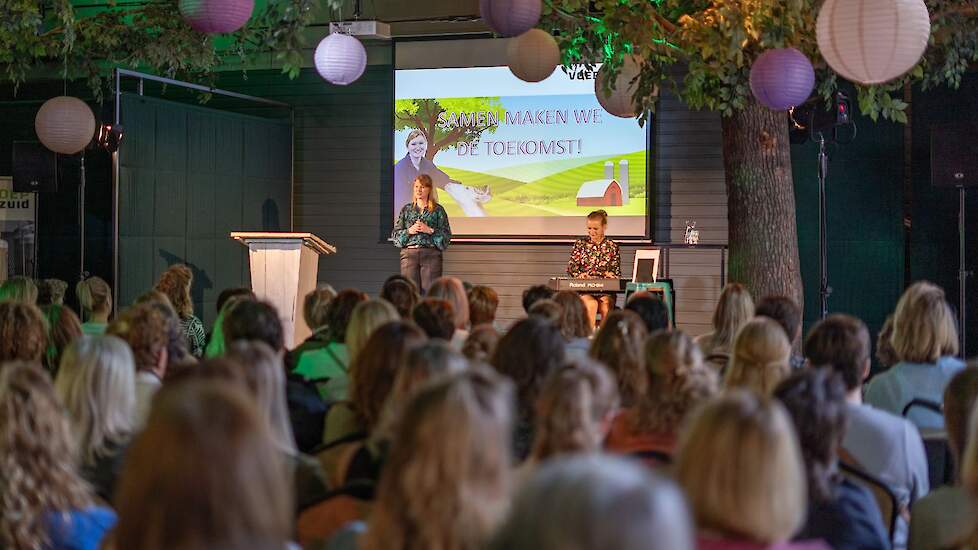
594, 259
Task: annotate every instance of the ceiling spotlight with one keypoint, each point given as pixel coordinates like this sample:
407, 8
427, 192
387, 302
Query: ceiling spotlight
109, 137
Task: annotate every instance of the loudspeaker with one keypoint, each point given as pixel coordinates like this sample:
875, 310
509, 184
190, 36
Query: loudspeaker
35, 168
954, 156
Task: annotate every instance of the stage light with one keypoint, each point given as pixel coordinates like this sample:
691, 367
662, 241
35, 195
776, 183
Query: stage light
109, 137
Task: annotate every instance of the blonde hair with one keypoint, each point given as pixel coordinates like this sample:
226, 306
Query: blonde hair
741, 467
452, 289
446, 482
37, 466
18, 289
572, 408
924, 328
94, 294
366, 317
599, 215
315, 305
413, 134
97, 384
264, 375
733, 310
175, 282
425, 181
678, 382
618, 344
761, 357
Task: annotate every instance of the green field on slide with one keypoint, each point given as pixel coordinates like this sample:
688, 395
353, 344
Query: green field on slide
554, 194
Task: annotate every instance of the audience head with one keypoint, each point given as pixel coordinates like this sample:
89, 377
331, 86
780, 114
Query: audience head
924, 328
63, 329
548, 310
37, 458
402, 278
96, 384
815, 399
596, 502
742, 470
253, 320
885, 353
144, 328
366, 317
205, 473
446, 481
373, 370
481, 343
340, 310
734, 309
678, 382
177, 346
18, 289
574, 321
618, 344
651, 308
959, 400
841, 343
175, 282
94, 297
264, 377
315, 305
158, 299
785, 311
535, 293
574, 410
483, 302
23, 332
239, 293
527, 354
451, 289
760, 358
51, 292
402, 294
436, 317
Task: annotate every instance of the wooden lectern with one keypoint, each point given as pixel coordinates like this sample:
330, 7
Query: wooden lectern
284, 267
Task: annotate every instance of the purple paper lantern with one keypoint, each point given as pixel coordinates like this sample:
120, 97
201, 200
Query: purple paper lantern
782, 78
216, 16
340, 59
510, 17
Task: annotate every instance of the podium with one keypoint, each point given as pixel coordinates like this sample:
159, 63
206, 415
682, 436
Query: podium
284, 267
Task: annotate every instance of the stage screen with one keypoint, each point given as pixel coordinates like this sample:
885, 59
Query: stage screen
511, 158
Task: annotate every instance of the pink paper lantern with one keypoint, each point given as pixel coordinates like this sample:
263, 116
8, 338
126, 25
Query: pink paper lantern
65, 124
620, 101
340, 59
782, 78
216, 16
533, 55
510, 17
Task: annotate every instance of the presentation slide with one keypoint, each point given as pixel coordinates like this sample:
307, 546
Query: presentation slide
511, 158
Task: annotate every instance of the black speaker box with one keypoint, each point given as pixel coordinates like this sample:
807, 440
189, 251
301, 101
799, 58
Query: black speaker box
954, 156
35, 168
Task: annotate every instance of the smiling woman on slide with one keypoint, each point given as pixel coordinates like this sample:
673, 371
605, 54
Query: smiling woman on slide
415, 164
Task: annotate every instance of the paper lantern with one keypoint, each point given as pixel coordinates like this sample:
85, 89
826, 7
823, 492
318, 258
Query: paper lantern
340, 59
782, 78
533, 55
872, 41
510, 17
216, 16
619, 101
65, 124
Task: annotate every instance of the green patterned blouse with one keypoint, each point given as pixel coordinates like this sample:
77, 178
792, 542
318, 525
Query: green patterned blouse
436, 219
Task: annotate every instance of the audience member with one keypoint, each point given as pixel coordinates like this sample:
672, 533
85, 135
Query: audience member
483, 302
177, 347
734, 309
63, 329
678, 382
481, 344
596, 502
254, 321
618, 344
51, 292
315, 307
223, 298
883, 444
329, 366
946, 516
44, 502
575, 323
548, 310
761, 357
528, 354
786, 312
23, 332
19, 289
176, 282
741, 468
451, 289
535, 293
366, 317
925, 338
436, 317
651, 308
402, 294
95, 300
97, 385
840, 512
144, 328
205, 473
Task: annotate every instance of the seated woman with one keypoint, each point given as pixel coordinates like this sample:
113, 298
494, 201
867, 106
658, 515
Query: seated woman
761, 357
733, 310
596, 257
618, 344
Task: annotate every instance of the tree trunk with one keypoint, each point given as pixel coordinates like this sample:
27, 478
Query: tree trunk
761, 203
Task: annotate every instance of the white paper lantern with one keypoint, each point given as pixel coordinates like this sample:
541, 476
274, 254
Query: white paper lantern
340, 59
872, 41
533, 55
65, 124
619, 101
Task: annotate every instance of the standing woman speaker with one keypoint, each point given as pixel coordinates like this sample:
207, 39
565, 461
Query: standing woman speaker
422, 233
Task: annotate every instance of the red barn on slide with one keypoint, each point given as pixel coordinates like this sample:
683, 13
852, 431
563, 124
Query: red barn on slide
606, 192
